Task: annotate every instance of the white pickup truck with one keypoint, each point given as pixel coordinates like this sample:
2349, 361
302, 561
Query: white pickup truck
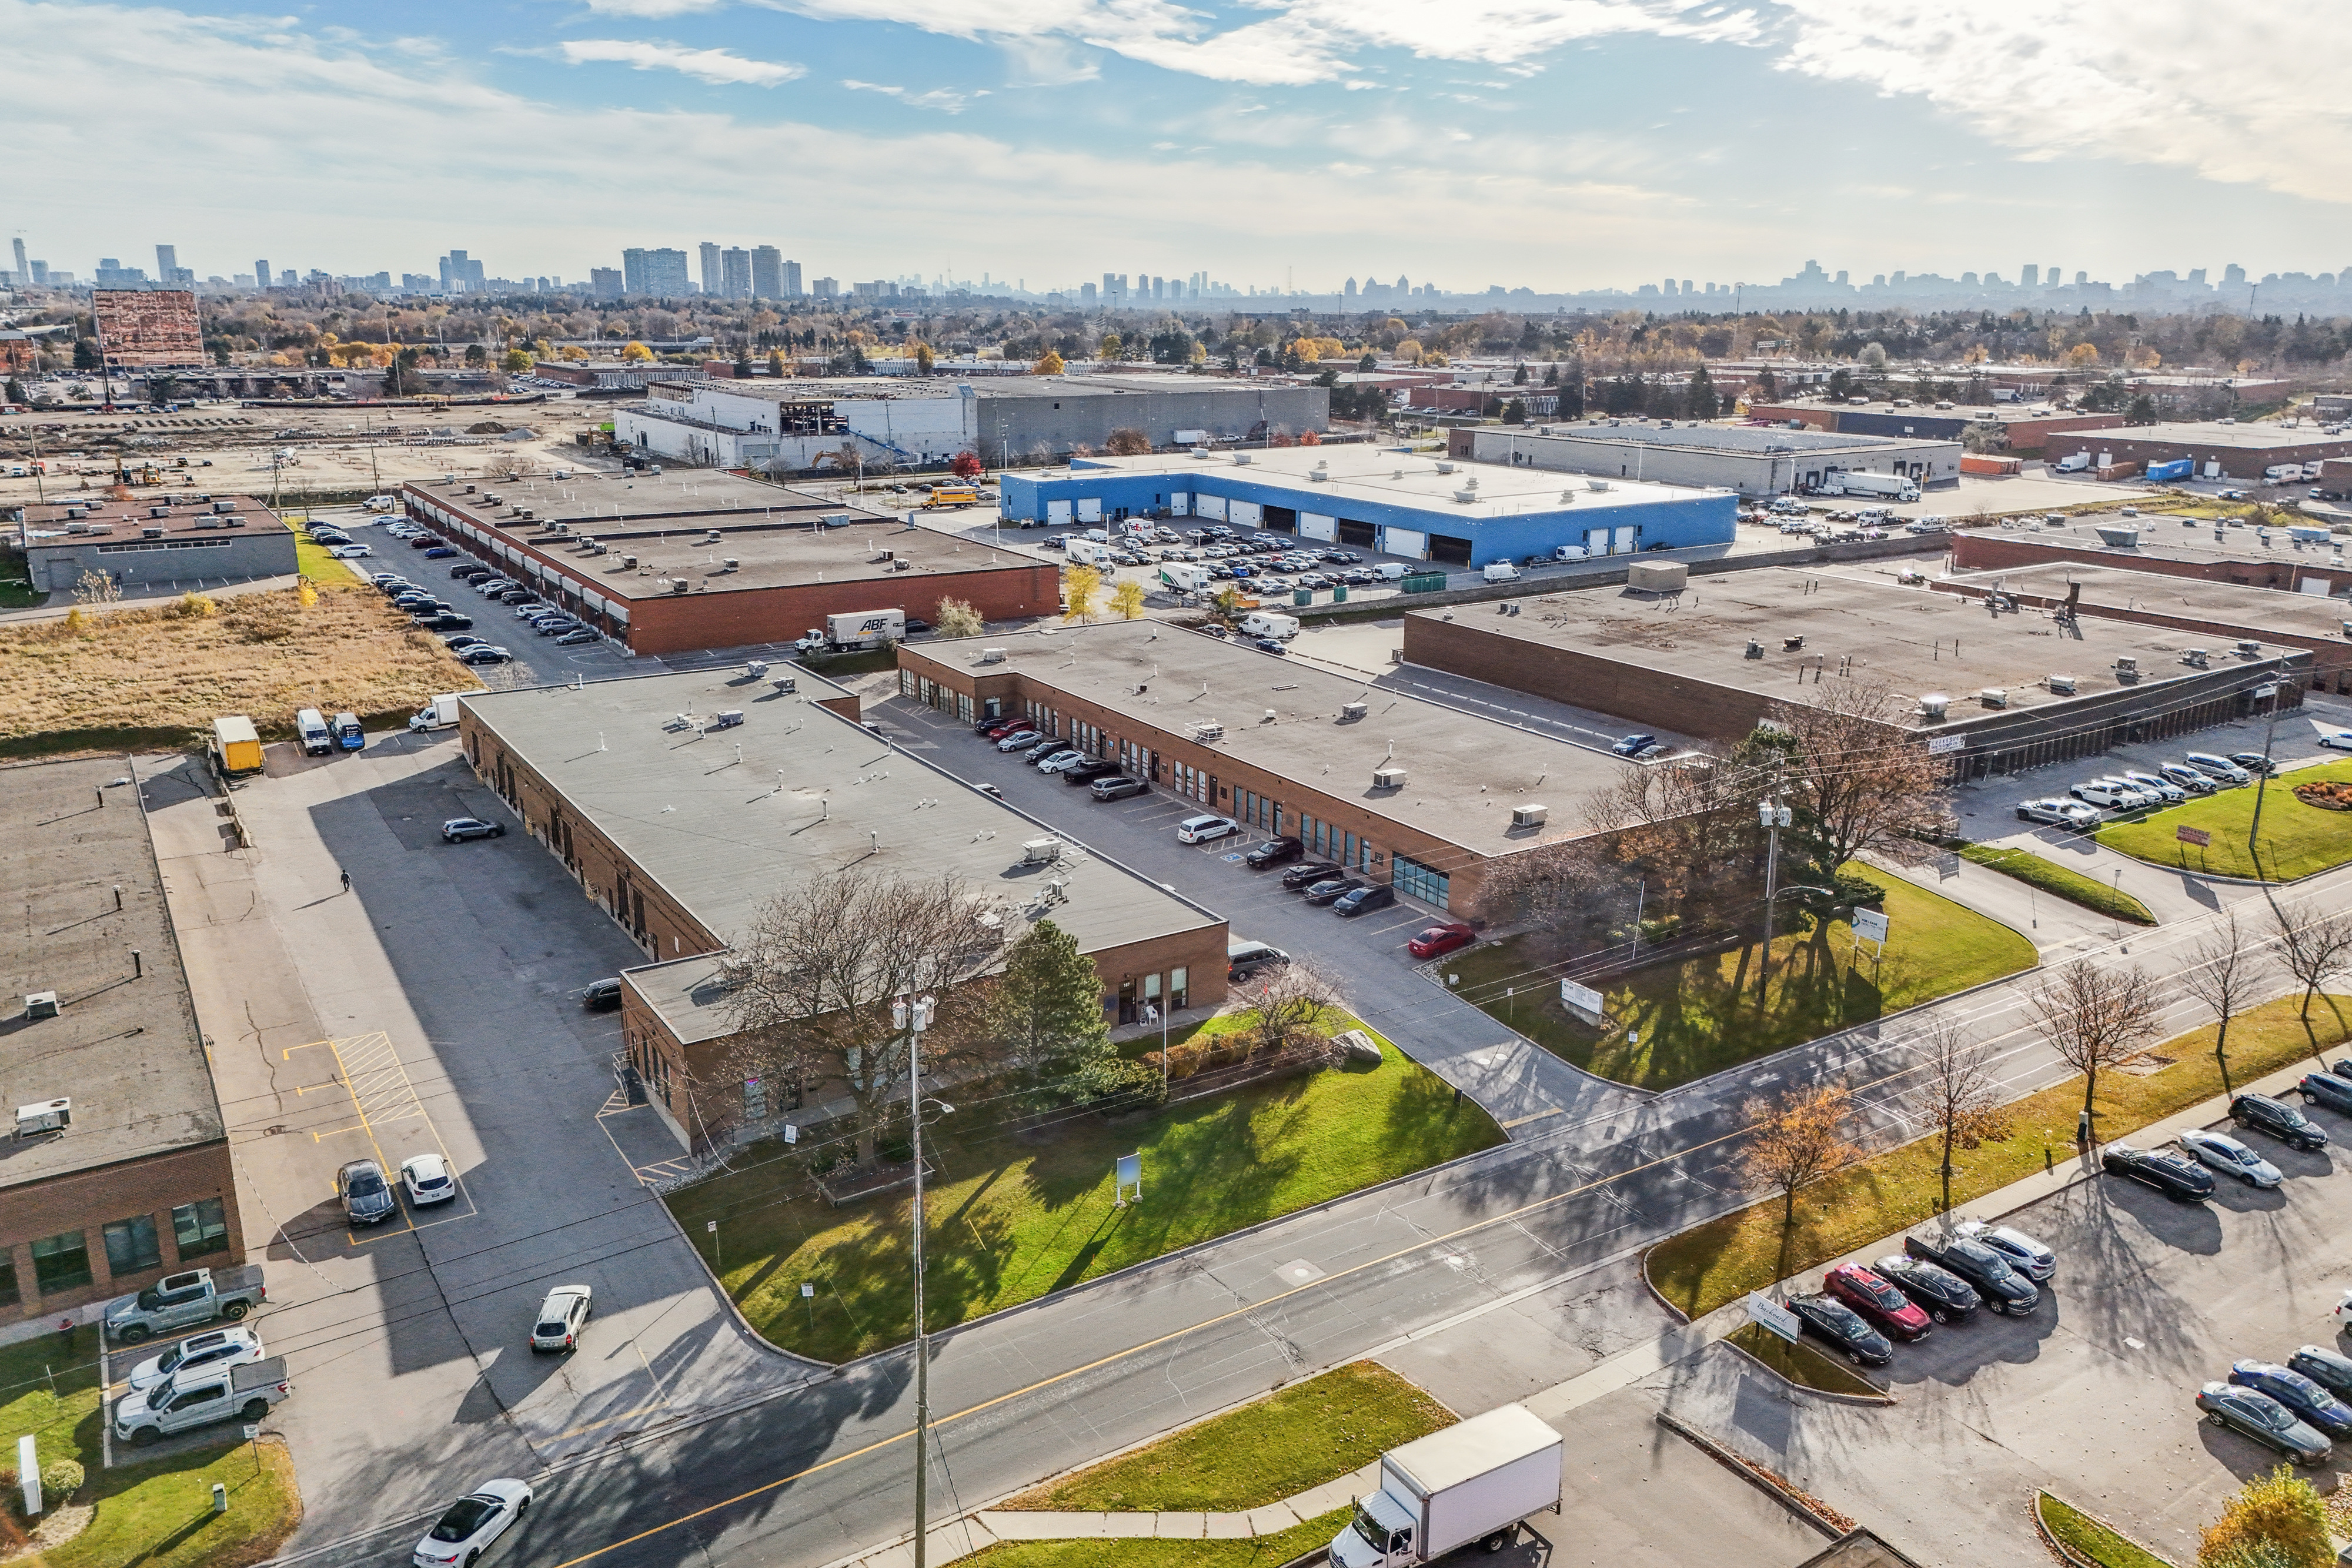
200, 1397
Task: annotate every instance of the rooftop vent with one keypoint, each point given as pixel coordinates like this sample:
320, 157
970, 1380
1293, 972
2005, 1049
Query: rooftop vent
151, 533
2121, 538
2197, 658
1791, 644
1201, 452
727, 564
1391, 776
628, 563
1350, 712
46, 1116
1596, 483
159, 511
1208, 729
2061, 685
1529, 816
41, 1004
2248, 649
1241, 459
224, 506
1993, 696
1933, 705
678, 585
710, 537
1041, 852
1445, 467
1755, 649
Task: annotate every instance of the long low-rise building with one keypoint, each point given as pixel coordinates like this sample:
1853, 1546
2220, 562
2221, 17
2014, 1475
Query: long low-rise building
1396, 790
2297, 558
155, 543
1398, 502
680, 822
2218, 449
1997, 688
1754, 460
676, 563
2024, 431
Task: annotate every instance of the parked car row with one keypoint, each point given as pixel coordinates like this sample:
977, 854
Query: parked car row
2200, 773
1939, 1278
1103, 781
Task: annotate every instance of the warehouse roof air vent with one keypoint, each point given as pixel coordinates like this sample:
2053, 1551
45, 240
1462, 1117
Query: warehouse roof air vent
1933, 705
1350, 712
2061, 685
1389, 776
43, 1117
1529, 816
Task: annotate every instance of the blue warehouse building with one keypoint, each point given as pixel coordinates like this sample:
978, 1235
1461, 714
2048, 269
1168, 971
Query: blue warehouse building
1419, 505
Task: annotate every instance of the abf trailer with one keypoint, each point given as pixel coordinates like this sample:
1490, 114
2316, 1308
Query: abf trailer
1475, 1482
858, 630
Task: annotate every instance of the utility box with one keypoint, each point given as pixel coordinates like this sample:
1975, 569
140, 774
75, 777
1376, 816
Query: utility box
1657, 576
1041, 852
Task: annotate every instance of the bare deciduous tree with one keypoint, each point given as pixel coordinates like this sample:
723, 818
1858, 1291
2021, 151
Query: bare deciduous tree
1292, 1000
1795, 1143
1960, 1096
2095, 1017
2314, 944
1858, 784
811, 983
2224, 974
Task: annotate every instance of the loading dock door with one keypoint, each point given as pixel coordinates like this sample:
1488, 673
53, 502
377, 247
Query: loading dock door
1357, 534
1247, 514
1315, 526
1209, 506
1449, 550
1179, 505
1058, 511
1624, 545
1596, 541
1090, 509
1407, 542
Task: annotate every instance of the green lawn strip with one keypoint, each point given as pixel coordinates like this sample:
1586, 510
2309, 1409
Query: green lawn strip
312, 559
1699, 1015
2297, 840
16, 587
1723, 1259
1013, 1217
1800, 1364
2050, 877
157, 1514
1271, 1449
1261, 1552
2078, 1531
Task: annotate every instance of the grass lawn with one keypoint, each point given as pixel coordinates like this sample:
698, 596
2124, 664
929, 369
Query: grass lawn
2297, 840
2080, 1532
16, 590
1013, 1217
1271, 1449
2059, 881
1701, 1015
1724, 1258
1803, 1364
157, 1514
312, 559
1264, 1551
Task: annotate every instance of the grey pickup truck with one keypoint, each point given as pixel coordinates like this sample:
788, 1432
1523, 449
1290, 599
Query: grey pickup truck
185, 1300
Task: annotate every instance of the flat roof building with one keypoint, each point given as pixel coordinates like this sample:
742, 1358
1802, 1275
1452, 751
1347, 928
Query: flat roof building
137, 1181
1395, 788
2025, 430
1398, 502
674, 562
680, 829
1755, 460
2221, 449
2297, 559
1996, 689
156, 543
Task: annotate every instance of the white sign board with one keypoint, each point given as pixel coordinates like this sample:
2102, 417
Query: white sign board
1870, 925
1943, 744
1773, 1316
29, 1471
1582, 1000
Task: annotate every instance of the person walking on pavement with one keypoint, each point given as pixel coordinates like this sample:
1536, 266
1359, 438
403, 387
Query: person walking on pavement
347, 882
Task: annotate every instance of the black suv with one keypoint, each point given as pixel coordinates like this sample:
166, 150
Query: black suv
1843, 1327
2279, 1119
2175, 1175
1088, 772
2004, 1289
1307, 875
1274, 851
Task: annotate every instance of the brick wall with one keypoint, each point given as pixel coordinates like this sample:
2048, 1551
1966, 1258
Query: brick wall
1629, 691
737, 617
89, 1200
1980, 550
2237, 461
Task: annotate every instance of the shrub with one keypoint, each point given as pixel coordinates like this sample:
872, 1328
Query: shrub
2279, 1510
60, 1479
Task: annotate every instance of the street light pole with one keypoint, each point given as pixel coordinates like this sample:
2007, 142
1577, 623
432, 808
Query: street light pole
1773, 818
914, 1016
2254, 829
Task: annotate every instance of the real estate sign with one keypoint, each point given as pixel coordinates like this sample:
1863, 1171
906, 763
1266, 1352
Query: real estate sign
1582, 1001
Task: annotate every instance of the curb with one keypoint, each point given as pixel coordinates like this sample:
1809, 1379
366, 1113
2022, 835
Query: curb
1778, 1489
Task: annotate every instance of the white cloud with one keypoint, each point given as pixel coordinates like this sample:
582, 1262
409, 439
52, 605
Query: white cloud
944, 99
717, 67
652, 9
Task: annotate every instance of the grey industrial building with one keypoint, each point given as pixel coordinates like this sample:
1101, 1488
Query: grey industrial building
1754, 460
155, 543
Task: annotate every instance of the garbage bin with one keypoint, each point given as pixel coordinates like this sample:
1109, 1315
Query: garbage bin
1302, 596
1339, 594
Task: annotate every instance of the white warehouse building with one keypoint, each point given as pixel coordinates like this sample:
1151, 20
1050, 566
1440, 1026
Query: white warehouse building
1752, 459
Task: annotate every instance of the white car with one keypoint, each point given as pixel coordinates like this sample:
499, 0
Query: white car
428, 1179
221, 1347
2164, 790
2133, 795
1055, 761
2337, 740
349, 552
2226, 1154
561, 1318
2058, 813
460, 1536
2096, 793
1204, 829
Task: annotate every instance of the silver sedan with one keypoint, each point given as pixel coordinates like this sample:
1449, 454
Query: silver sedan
2222, 1153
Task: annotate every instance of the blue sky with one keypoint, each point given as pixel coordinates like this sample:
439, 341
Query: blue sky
1555, 143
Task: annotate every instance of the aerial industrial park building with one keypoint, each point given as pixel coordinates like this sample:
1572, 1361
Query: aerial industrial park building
1753, 460
156, 544
2296, 559
2219, 449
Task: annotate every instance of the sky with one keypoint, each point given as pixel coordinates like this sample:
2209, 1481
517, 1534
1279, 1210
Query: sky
1558, 144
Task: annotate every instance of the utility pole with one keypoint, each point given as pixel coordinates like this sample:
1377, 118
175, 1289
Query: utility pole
1773, 818
914, 1016
2253, 831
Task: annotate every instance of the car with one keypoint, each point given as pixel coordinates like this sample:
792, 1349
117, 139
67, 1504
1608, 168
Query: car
2222, 1153
428, 1179
1206, 830
2134, 795
2096, 793
457, 830
2164, 790
381, 579
1055, 761
220, 1347
1944, 1295
2002, 1287
486, 653
1363, 900
1269, 645
2229, 494
1307, 874
1831, 1319
2313, 1405
367, 1197
1629, 744
577, 635
2058, 813
2253, 762
1331, 889
1087, 771
458, 643
2175, 1175
2329, 1089
2337, 739
469, 572
1275, 852
1245, 959
2190, 779
2025, 1255
601, 996
555, 626
998, 728
1019, 739
439, 552
2265, 1420
1439, 940
423, 541
2218, 768
2279, 1120
1877, 1300
471, 1524
561, 1318
351, 552
2332, 1370
1118, 787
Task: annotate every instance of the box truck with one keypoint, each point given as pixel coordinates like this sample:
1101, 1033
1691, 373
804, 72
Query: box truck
1186, 579
1477, 1482
1885, 486
2073, 463
853, 632
237, 744
438, 713
1267, 624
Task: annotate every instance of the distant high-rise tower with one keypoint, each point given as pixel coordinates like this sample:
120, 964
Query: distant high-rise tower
23, 268
2029, 276
605, 282
767, 272
734, 274
792, 281
167, 261
2233, 273
710, 268
261, 274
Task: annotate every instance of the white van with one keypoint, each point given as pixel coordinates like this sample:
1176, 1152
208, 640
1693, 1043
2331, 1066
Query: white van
311, 729
1502, 572
1569, 552
379, 503
1391, 570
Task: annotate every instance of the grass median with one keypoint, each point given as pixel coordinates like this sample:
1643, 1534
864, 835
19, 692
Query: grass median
1014, 1215
1723, 1259
1271, 1449
1260, 1552
1802, 1363
2043, 872
2296, 840
1670, 1023
2093, 1541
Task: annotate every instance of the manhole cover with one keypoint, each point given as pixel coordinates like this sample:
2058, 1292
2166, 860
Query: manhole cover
1298, 1271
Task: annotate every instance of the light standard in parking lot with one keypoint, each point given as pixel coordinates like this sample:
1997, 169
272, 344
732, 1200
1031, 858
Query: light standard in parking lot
912, 1016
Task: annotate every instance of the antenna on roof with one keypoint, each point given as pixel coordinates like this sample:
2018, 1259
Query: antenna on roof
600, 740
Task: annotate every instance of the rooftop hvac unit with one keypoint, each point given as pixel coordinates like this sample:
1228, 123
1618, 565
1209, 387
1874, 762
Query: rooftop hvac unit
628, 563
598, 549
1445, 467
77, 511
996, 655
727, 718
46, 1116
1933, 705
77, 527
1391, 776
1208, 729
1596, 483
1993, 696
151, 533
1466, 496
2061, 685
159, 511
678, 585
1041, 852
786, 683
1201, 452
727, 564
1529, 816
1755, 649
2197, 659
469, 490
2122, 539
711, 537
2248, 649
560, 527
41, 1004
224, 506
1241, 459
1353, 711
1319, 475
2126, 664
232, 522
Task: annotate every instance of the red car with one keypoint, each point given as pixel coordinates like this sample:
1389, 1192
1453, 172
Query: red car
1441, 939
1877, 1300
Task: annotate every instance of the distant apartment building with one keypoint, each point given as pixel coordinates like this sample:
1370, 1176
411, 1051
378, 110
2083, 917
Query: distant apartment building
709, 254
262, 275
605, 282
793, 290
461, 274
767, 272
659, 273
827, 288
735, 273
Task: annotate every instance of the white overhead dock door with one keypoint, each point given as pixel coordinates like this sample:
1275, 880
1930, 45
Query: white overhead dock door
1315, 526
1406, 542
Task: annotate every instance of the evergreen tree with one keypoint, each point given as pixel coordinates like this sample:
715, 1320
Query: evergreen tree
1047, 1014
86, 356
1519, 376
1699, 398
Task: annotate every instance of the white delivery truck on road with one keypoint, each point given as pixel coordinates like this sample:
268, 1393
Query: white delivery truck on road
1502, 572
439, 714
1475, 1482
858, 630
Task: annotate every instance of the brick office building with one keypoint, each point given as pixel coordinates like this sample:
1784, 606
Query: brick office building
2198, 548
138, 1180
1396, 790
677, 562
681, 833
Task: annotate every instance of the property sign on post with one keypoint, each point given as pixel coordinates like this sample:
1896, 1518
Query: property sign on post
1870, 925
1943, 744
1773, 1316
1582, 1000
2189, 835
1128, 1172
29, 1473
